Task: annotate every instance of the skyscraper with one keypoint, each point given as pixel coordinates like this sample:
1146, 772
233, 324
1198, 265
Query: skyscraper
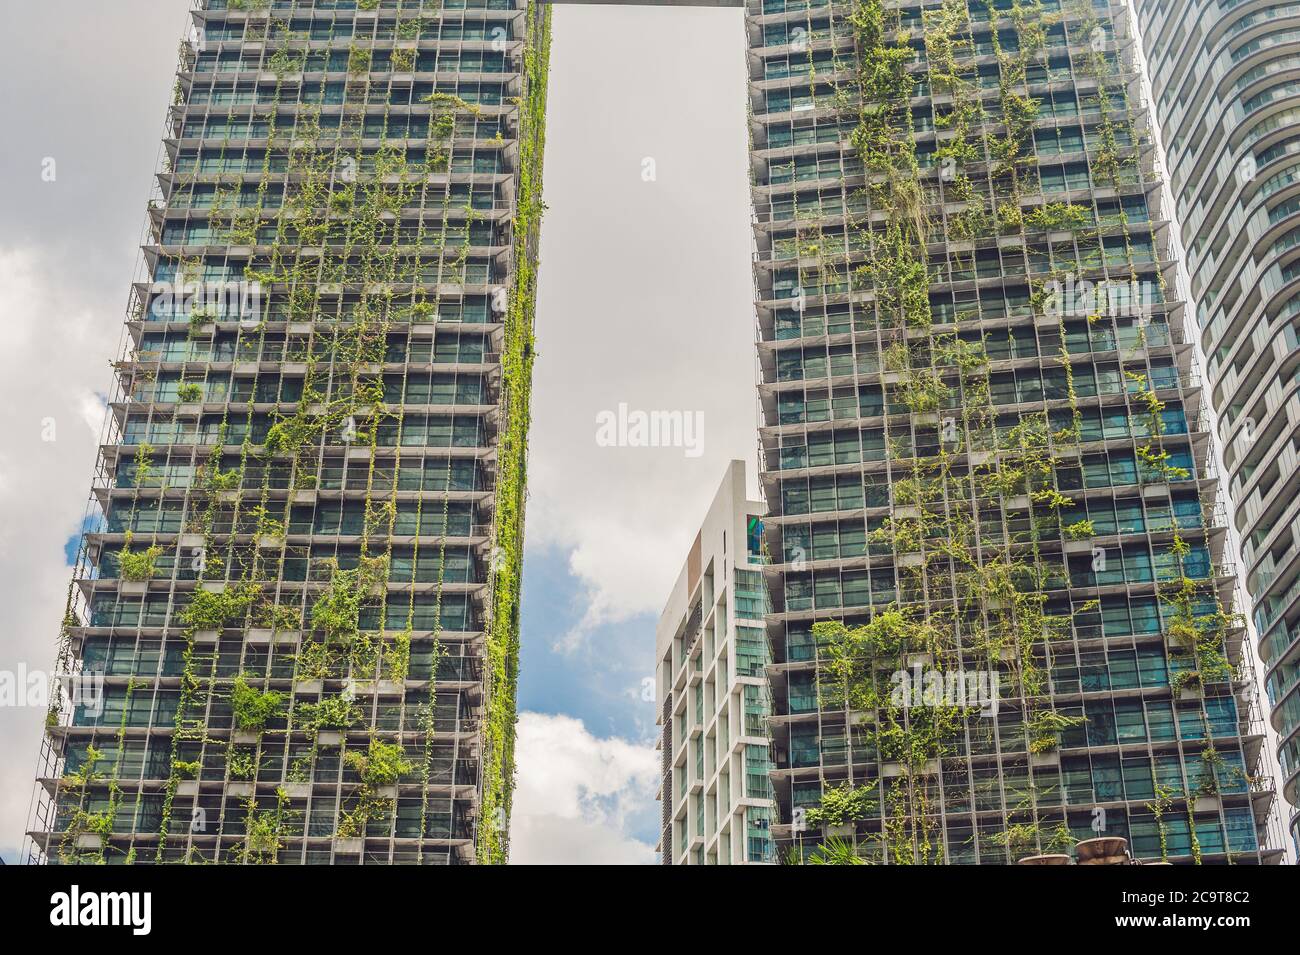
1227, 100
1003, 615
293, 630
711, 654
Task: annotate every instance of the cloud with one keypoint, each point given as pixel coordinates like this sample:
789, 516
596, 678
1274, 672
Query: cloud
578, 795
56, 344
645, 297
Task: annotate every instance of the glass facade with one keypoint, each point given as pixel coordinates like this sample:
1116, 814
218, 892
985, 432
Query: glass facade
1003, 619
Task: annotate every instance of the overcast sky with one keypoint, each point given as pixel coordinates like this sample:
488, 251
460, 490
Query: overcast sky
645, 300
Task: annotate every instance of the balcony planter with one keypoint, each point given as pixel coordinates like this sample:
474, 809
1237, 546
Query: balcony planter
423, 328
1018, 502
913, 559
307, 687
1155, 490
1007, 653
239, 252
358, 454
187, 788
1108, 850
1050, 758
1060, 237
300, 328
258, 637
203, 330
240, 788
1206, 804
90, 840
135, 587
1078, 547
349, 847
228, 497
270, 541
243, 736
330, 737
290, 637
890, 769
387, 792
296, 790
186, 541
329, 289
189, 409
919, 660
978, 458
906, 512
845, 830
303, 497
1053, 859
207, 636
293, 368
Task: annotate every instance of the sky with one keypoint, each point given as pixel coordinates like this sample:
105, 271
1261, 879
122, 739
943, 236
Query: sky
645, 301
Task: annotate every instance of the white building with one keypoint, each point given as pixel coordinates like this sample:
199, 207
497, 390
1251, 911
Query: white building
712, 648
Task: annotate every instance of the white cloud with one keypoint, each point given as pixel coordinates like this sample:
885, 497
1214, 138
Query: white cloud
56, 346
645, 295
576, 794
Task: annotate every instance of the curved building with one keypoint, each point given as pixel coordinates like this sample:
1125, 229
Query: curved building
1226, 84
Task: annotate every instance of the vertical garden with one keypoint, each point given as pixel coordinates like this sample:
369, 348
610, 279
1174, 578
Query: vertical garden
300, 582
982, 449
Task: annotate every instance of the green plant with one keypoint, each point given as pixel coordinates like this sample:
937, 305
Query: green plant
137, 565
213, 609
333, 712
382, 764
338, 609
189, 391
835, 851
842, 804
253, 709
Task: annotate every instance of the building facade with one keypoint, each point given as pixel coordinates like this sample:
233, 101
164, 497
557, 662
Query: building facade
292, 635
1226, 84
711, 653
1003, 615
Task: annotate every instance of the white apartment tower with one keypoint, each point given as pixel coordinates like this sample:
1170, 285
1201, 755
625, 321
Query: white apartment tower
711, 650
